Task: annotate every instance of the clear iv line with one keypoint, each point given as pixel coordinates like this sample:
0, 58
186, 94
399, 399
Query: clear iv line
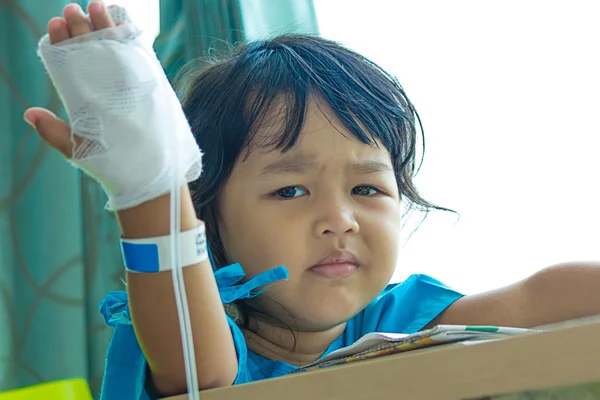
183, 312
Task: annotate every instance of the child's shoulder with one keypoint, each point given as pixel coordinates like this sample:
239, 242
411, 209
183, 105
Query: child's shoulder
416, 285
405, 307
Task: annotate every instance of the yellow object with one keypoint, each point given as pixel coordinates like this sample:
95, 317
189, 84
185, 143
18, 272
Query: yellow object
72, 389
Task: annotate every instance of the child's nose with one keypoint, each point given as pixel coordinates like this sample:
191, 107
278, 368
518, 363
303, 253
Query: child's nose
336, 218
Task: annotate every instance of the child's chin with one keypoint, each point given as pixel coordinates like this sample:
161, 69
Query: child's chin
332, 313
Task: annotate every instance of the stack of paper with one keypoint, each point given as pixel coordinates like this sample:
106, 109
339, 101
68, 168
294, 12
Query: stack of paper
379, 344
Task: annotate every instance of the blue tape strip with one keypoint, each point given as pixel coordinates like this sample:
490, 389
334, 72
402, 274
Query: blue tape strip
140, 257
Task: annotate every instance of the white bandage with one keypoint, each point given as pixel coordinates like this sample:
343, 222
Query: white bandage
127, 126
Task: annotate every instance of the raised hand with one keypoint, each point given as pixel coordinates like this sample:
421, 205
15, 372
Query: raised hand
127, 129
52, 129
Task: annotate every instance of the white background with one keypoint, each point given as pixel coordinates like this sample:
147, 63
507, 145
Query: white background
509, 97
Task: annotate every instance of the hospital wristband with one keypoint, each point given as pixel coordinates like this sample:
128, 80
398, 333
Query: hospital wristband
150, 255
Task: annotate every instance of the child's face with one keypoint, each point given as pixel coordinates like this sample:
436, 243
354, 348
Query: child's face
328, 205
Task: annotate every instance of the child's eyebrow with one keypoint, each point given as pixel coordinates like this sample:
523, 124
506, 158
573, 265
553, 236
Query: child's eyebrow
367, 167
289, 165
300, 164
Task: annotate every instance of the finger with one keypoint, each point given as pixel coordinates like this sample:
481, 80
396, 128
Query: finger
79, 23
52, 129
99, 15
58, 30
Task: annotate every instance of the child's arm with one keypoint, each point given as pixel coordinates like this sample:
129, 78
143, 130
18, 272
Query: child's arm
154, 312
129, 158
151, 297
558, 293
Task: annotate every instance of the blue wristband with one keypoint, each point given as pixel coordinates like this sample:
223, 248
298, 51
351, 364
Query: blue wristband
151, 255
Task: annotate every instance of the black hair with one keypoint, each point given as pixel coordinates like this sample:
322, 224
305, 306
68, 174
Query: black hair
226, 100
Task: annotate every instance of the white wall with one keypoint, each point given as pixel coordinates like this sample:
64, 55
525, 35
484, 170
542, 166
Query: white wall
509, 94
145, 13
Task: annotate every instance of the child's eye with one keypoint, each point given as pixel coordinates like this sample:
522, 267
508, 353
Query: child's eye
290, 192
365, 190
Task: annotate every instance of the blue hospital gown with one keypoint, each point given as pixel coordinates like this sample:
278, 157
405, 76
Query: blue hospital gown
404, 307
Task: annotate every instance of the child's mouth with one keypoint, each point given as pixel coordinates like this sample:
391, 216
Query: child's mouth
338, 264
335, 270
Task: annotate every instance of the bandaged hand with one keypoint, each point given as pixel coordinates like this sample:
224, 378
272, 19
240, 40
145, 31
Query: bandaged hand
128, 130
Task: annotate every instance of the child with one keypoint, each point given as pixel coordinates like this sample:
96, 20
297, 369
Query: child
309, 159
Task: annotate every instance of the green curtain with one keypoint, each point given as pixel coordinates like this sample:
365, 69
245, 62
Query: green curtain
196, 28
59, 250
264, 18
